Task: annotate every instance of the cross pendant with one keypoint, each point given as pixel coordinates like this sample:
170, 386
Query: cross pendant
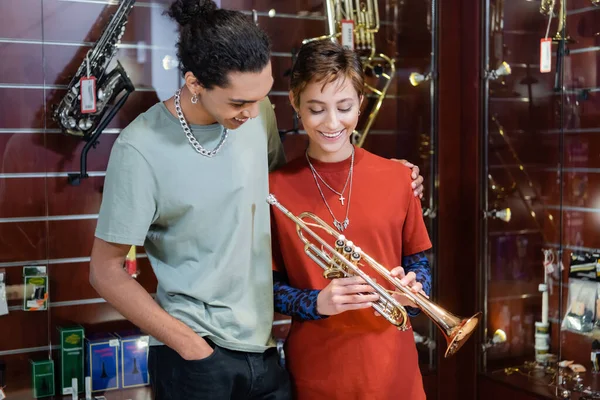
342, 199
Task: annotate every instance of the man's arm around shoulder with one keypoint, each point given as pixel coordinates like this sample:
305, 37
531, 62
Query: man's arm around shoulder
128, 297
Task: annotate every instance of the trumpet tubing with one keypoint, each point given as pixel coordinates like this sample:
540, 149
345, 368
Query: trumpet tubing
562, 22
344, 259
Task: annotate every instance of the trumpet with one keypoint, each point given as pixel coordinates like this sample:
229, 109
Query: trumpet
345, 259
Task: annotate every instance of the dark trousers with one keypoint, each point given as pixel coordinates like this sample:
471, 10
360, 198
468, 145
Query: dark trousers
225, 374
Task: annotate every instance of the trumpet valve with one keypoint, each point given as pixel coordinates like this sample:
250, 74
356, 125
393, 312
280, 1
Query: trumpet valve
355, 257
333, 273
339, 244
348, 249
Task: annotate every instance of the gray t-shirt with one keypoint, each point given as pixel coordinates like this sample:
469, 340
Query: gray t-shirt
204, 222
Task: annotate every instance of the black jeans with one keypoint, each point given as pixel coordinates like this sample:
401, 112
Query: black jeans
225, 374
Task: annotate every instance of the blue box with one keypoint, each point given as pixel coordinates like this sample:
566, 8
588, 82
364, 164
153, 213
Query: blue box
134, 359
102, 361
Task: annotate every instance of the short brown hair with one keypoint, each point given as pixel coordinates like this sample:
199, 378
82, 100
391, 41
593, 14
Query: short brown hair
325, 61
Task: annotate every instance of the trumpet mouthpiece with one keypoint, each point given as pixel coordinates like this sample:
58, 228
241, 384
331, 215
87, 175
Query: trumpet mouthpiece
271, 199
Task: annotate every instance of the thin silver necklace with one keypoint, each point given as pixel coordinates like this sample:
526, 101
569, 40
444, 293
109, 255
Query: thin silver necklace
188, 132
340, 226
341, 194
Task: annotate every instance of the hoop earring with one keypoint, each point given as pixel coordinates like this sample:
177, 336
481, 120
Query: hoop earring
194, 98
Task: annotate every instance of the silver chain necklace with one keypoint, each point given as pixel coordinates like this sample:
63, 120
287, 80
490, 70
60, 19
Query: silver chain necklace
341, 194
188, 132
340, 226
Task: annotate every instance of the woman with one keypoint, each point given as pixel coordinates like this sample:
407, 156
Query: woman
337, 348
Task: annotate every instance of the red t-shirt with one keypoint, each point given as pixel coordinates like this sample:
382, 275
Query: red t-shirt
355, 354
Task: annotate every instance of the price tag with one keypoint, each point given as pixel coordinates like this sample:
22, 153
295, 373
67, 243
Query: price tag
545, 55
348, 34
87, 88
113, 343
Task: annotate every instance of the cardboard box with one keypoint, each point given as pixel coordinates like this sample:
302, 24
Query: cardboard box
71, 358
102, 361
134, 359
35, 288
42, 378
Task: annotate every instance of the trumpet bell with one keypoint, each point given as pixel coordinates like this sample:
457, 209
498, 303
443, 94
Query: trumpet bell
461, 333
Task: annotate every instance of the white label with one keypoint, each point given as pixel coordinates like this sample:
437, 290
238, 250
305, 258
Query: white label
75, 389
348, 34
545, 55
114, 343
32, 304
87, 89
88, 388
2, 395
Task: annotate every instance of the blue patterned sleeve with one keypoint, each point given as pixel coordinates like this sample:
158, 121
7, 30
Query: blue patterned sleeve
294, 302
418, 264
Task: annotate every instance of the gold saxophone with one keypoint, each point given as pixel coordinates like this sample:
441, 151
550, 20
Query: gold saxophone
345, 259
365, 16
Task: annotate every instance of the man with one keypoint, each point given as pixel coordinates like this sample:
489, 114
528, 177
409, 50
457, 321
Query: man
188, 180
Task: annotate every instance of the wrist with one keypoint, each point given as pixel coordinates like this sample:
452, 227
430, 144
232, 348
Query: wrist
195, 348
184, 340
319, 310
318, 307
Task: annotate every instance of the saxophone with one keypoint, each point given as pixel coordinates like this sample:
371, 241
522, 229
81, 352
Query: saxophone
364, 16
67, 113
108, 93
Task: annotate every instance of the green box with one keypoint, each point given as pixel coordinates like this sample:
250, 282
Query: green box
35, 288
42, 378
71, 358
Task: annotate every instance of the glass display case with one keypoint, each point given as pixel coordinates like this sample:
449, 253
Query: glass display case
416, 33
539, 195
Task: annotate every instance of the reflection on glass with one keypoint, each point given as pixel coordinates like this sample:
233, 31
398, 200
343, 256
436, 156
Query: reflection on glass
169, 62
541, 285
502, 70
416, 78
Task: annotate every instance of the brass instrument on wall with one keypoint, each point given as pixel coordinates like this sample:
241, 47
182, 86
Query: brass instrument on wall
109, 94
364, 15
346, 260
562, 22
547, 8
